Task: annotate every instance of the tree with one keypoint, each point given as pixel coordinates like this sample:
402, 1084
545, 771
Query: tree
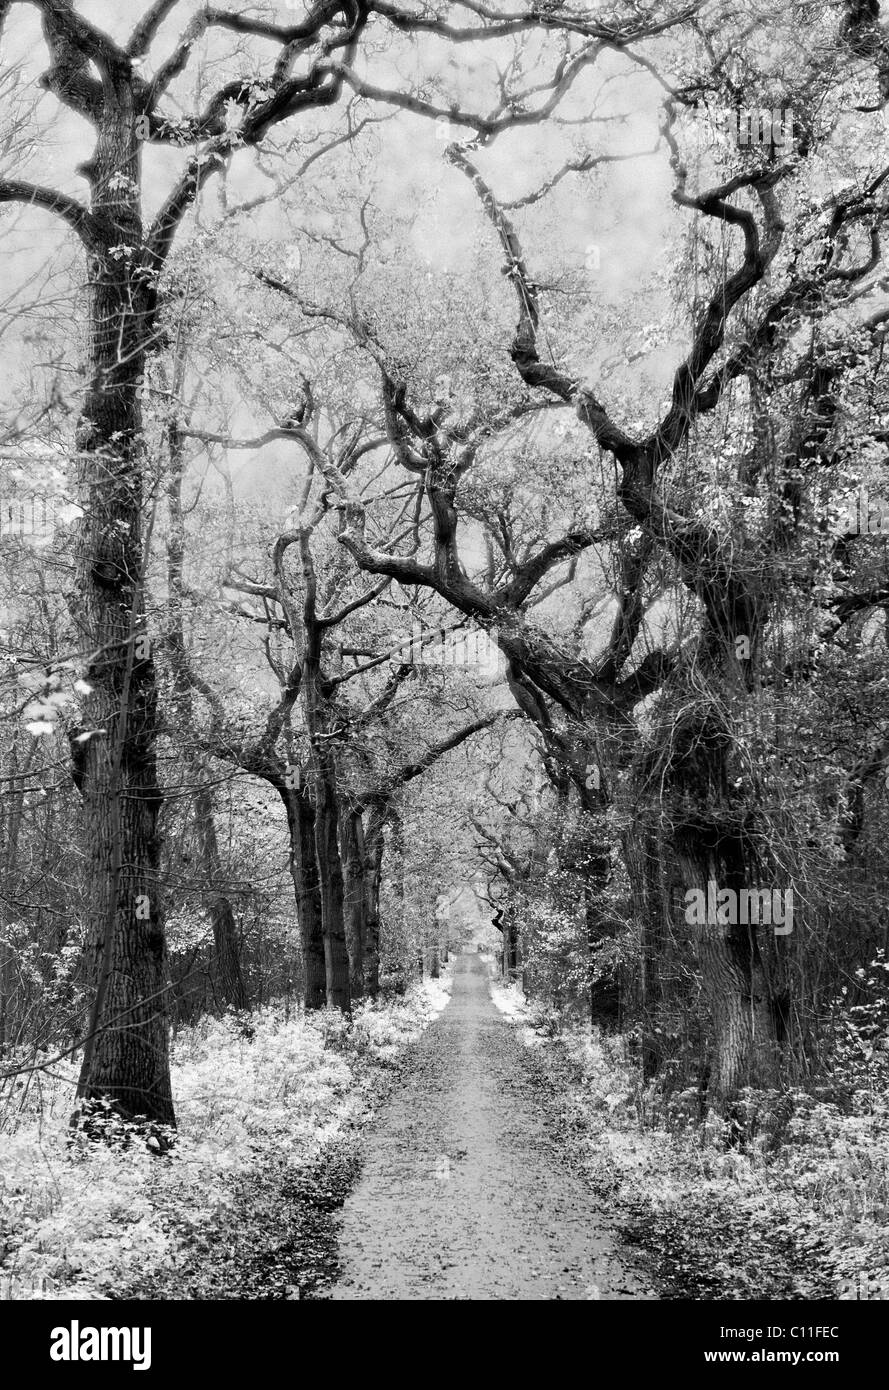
98, 79
717, 821
222, 918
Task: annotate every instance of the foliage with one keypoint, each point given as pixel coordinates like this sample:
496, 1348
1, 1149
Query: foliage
799, 1209
260, 1109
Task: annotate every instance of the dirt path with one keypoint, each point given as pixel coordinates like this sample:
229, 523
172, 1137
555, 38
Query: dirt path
464, 1193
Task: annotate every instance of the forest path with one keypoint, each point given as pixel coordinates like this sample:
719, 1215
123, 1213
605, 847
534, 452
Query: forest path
464, 1193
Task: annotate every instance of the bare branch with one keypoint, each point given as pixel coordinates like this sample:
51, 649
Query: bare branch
73, 212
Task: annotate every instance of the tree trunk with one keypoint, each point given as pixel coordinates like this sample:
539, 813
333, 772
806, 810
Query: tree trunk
126, 1055
225, 937
13, 805
718, 835
330, 875
373, 870
604, 992
222, 918
355, 896
398, 861
322, 776
744, 1047
511, 950
304, 872
649, 910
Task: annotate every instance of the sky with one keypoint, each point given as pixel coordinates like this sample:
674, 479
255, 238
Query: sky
618, 230
615, 230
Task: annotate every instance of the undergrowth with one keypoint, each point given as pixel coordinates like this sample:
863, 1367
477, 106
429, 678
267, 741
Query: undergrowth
240, 1206
799, 1210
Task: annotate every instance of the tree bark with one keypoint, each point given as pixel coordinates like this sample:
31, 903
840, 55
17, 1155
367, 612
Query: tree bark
744, 1043
304, 872
644, 860
330, 876
323, 781
126, 1054
373, 870
10, 826
355, 896
225, 933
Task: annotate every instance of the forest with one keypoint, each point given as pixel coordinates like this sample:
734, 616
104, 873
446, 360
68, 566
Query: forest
444, 650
